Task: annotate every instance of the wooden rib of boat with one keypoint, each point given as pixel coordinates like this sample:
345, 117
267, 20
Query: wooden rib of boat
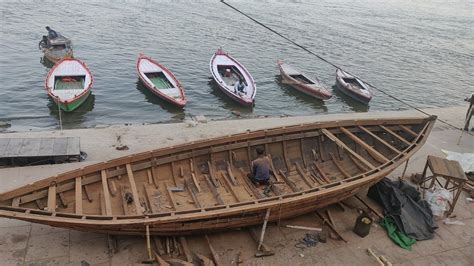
302, 82
57, 49
203, 186
226, 71
353, 87
69, 83
160, 81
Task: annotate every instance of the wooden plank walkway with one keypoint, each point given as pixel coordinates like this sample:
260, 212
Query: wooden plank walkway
39, 147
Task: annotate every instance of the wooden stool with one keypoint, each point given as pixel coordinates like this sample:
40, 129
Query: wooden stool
451, 171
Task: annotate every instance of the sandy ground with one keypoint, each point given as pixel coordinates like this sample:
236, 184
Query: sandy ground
24, 243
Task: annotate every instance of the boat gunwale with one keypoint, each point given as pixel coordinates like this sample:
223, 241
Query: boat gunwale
191, 214
181, 102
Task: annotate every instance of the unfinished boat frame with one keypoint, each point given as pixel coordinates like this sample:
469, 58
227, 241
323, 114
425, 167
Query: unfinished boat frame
202, 186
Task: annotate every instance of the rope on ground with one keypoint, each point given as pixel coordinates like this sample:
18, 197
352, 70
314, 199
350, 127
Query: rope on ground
336, 66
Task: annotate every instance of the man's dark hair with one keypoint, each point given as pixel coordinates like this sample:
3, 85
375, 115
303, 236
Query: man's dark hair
260, 151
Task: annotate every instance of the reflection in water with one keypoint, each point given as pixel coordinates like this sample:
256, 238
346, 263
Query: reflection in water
226, 101
355, 106
154, 99
301, 97
76, 117
45, 62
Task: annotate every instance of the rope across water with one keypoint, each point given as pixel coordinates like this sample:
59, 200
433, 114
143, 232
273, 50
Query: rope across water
336, 66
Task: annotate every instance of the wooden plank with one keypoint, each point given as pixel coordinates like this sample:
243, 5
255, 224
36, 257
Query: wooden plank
231, 174
374, 153
212, 174
161, 261
60, 146
196, 183
150, 177
285, 156
409, 131
339, 166
52, 198
214, 191
380, 215
187, 184
16, 202
395, 135
321, 172
46, 147
152, 203
78, 195
289, 182
321, 148
303, 175
112, 187
3, 145
133, 186
344, 146
361, 167
73, 146
170, 195
173, 173
325, 221
105, 188
14, 147
230, 187
87, 193
30, 148
215, 255
379, 139
186, 250
302, 153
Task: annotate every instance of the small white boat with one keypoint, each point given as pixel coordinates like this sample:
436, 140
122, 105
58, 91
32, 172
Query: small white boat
226, 71
159, 80
69, 83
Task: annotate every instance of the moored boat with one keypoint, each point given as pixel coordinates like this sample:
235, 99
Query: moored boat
57, 48
226, 71
302, 82
160, 81
203, 186
69, 83
353, 87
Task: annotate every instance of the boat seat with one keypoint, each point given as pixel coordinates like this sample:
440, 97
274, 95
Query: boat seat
172, 92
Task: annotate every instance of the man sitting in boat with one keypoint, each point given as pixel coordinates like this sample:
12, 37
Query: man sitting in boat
44, 43
260, 168
239, 86
52, 34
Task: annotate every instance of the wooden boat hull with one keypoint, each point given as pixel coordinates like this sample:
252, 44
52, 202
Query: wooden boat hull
177, 194
363, 96
69, 96
144, 64
54, 57
220, 58
314, 90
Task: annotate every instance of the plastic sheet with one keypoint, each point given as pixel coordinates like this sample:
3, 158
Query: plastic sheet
403, 204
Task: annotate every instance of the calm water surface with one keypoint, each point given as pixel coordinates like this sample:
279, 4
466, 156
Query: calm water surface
421, 51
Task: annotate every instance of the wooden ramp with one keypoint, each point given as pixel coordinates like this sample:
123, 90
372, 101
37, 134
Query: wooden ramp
32, 151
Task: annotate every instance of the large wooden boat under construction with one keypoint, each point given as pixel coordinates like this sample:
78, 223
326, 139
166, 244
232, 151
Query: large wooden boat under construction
203, 186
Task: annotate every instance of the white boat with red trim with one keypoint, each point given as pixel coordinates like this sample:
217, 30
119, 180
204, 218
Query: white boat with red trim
160, 81
69, 83
302, 82
227, 71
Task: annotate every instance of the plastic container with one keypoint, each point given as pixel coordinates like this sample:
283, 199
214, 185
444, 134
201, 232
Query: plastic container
362, 225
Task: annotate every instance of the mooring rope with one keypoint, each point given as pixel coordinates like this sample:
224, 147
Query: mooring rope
336, 66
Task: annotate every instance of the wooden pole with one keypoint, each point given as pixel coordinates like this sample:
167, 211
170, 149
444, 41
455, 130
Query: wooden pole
267, 215
405, 169
148, 243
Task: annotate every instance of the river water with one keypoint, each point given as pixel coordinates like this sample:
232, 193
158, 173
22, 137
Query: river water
419, 50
